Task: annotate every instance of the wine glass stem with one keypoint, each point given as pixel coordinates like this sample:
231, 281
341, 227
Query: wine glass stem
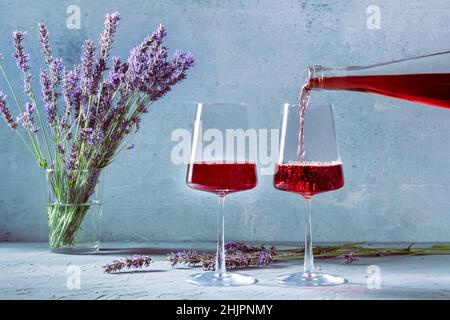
309, 259
220, 255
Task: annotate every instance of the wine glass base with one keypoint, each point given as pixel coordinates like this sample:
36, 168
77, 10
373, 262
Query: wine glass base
211, 279
315, 279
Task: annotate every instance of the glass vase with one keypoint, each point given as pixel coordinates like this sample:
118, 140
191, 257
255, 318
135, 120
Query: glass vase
74, 207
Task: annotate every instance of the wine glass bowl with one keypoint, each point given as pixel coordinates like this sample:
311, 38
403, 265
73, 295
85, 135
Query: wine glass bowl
309, 163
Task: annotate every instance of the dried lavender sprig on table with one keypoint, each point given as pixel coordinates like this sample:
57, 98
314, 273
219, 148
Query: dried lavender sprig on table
348, 253
239, 247
134, 262
244, 256
84, 113
238, 255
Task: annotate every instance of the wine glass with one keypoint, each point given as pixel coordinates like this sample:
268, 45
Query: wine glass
309, 163
222, 163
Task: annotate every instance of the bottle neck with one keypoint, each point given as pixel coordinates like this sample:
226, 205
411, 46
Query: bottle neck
315, 77
324, 78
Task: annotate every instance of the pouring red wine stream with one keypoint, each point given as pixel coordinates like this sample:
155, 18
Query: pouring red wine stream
424, 79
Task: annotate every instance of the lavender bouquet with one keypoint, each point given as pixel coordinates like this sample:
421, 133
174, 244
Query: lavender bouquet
78, 122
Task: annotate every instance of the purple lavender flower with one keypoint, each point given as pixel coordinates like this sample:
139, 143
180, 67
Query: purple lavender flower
56, 72
149, 70
135, 262
47, 97
99, 68
115, 113
236, 247
1, 57
155, 39
91, 136
241, 260
22, 60
26, 118
92, 180
131, 146
60, 150
117, 74
106, 38
21, 57
265, 259
349, 258
189, 258
238, 255
182, 61
71, 162
87, 65
43, 37
142, 59
6, 113
71, 91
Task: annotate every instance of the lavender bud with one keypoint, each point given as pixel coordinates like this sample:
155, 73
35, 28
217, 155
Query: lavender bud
6, 113
21, 58
106, 38
71, 162
71, 91
43, 37
135, 262
87, 63
26, 118
56, 69
47, 97
60, 150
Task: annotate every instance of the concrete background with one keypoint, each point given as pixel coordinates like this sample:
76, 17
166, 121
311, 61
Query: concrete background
396, 154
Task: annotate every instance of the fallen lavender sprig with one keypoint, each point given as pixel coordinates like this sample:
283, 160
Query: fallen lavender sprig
239, 247
244, 256
349, 258
238, 255
134, 262
189, 258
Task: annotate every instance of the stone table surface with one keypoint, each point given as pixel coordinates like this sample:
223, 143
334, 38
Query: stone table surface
29, 271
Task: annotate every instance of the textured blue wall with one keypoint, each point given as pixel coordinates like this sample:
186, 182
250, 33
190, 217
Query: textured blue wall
396, 154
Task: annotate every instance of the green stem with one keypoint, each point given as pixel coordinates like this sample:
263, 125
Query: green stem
42, 126
16, 100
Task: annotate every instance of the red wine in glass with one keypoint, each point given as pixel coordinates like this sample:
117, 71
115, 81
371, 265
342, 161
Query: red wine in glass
308, 179
222, 178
